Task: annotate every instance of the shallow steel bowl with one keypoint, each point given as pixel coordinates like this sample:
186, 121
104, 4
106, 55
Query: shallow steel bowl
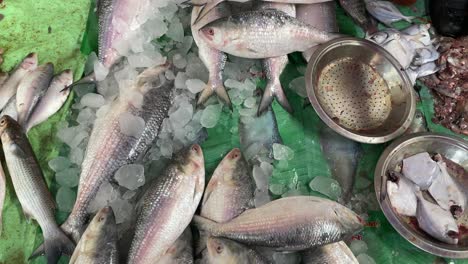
359, 90
453, 148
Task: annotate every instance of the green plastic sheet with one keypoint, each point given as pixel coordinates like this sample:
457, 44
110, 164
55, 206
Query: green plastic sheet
56, 31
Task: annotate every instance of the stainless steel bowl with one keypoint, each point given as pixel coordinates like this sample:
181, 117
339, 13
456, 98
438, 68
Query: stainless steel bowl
358, 89
455, 149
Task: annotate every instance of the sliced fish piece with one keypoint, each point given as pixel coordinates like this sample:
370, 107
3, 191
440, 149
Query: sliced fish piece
53, 99
99, 242
288, 224
247, 34
222, 250
356, 9
31, 189
9, 87
420, 169
181, 252
402, 194
168, 206
31, 89
436, 221
385, 12
334, 253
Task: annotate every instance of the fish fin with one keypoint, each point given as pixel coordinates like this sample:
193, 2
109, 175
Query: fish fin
203, 224
223, 95
206, 9
408, 18
57, 243
17, 150
90, 78
220, 91
282, 99
38, 252
265, 102
204, 95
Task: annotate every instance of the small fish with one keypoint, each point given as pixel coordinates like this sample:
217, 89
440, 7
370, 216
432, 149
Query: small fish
53, 99
9, 87
213, 59
247, 34
31, 89
342, 156
402, 194
99, 242
385, 12
334, 253
168, 206
356, 9
181, 252
436, 221
288, 224
222, 250
31, 189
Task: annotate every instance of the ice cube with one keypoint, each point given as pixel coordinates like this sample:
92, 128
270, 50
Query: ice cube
326, 186
180, 80
261, 197
100, 71
82, 89
267, 168
247, 112
195, 85
261, 179
211, 115
179, 61
282, 152
123, 210
298, 85
143, 60
365, 259
181, 116
358, 247
277, 188
186, 45
420, 169
108, 88
68, 177
128, 194
175, 30
250, 102
76, 156
59, 163
131, 176
78, 138
195, 68
230, 83
66, 134
131, 125
165, 146
65, 199
93, 100
86, 116
89, 66
106, 194
170, 75
299, 191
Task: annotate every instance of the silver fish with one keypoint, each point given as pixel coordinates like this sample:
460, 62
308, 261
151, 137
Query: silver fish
402, 194
222, 250
99, 242
31, 189
273, 68
342, 156
321, 16
247, 34
10, 109
181, 252
31, 89
425, 55
9, 87
385, 12
109, 148
53, 99
334, 253
168, 206
356, 9
288, 224
436, 221
213, 59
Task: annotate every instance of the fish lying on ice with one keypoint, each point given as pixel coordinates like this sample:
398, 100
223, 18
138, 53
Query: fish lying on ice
31, 189
247, 34
168, 206
99, 242
288, 224
222, 250
334, 253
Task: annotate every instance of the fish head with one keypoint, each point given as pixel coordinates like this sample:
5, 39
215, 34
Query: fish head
222, 250
66, 77
217, 35
103, 218
30, 62
350, 221
229, 164
191, 162
9, 129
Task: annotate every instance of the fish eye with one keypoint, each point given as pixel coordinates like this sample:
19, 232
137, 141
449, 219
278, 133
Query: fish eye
219, 249
210, 32
101, 219
2, 121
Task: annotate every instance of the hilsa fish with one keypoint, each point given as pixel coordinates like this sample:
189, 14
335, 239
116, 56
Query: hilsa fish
247, 34
334, 253
168, 206
31, 189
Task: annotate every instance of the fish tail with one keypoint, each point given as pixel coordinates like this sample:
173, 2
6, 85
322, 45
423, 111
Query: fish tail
203, 224
265, 102
409, 18
274, 90
220, 91
56, 243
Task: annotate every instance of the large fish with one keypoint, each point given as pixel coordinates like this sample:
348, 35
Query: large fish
273, 68
342, 156
109, 148
31, 189
288, 224
9, 86
334, 253
213, 59
262, 34
222, 250
99, 242
168, 206
53, 99
181, 251
31, 89
356, 9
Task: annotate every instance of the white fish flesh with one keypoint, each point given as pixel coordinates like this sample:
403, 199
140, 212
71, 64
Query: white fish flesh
420, 169
401, 193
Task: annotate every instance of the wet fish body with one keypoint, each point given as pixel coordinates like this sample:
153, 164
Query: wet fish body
334, 253
30, 188
385, 12
402, 194
31, 89
288, 224
168, 206
356, 9
10, 109
99, 242
247, 34
181, 252
53, 99
222, 250
342, 156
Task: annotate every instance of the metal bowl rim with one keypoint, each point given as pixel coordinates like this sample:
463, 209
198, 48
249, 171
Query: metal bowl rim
390, 215
326, 118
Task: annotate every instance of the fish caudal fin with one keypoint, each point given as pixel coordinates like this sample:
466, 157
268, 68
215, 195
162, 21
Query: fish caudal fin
276, 91
208, 6
56, 243
220, 92
203, 224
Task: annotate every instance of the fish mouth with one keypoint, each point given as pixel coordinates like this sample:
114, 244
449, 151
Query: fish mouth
234, 154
